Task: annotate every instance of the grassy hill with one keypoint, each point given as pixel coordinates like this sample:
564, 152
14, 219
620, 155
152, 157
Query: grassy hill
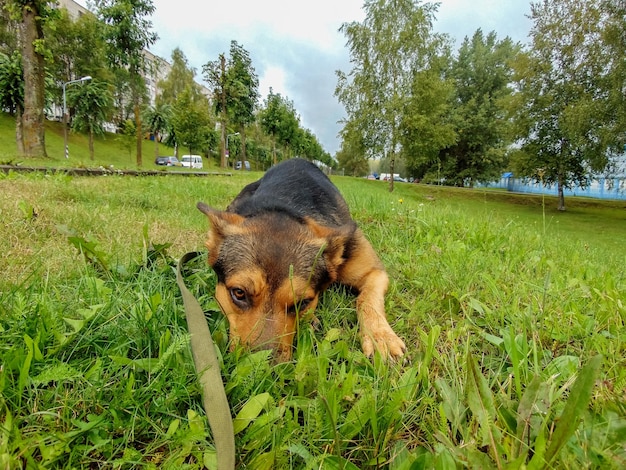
110, 149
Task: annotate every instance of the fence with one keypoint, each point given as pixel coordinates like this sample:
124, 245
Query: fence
601, 188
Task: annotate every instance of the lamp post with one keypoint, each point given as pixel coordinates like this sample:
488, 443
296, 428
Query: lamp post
83, 79
227, 153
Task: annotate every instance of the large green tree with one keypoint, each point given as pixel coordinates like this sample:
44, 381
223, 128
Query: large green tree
565, 119
427, 124
235, 92
614, 36
214, 73
279, 119
92, 102
191, 122
179, 78
351, 157
31, 16
482, 74
386, 49
8, 30
242, 91
157, 119
77, 46
128, 33
12, 92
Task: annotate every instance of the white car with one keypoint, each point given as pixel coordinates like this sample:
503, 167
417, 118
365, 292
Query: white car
191, 161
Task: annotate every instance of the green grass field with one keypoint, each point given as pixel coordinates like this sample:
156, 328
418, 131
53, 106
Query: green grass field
513, 315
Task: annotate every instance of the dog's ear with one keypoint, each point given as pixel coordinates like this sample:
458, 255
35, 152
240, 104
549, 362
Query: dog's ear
336, 240
221, 225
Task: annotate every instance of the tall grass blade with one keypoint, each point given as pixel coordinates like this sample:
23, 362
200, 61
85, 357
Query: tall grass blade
481, 403
532, 408
575, 406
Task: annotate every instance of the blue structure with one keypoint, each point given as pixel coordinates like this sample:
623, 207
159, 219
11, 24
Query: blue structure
599, 187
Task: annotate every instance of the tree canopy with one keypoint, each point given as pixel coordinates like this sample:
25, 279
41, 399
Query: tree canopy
392, 43
128, 33
565, 114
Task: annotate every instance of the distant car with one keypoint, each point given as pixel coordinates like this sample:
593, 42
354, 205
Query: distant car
371, 177
191, 161
246, 165
400, 179
167, 161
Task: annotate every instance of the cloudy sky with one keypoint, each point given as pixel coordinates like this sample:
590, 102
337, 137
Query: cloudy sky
295, 45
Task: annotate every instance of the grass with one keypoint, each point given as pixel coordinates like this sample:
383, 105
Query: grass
110, 149
514, 326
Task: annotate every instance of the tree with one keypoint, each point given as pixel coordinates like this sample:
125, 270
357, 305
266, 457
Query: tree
564, 116
482, 74
93, 103
242, 91
427, 126
32, 15
179, 78
392, 43
157, 121
12, 92
215, 75
8, 31
352, 154
191, 122
235, 90
78, 48
614, 36
278, 118
128, 33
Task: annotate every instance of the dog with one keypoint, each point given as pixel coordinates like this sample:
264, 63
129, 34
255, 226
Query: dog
280, 243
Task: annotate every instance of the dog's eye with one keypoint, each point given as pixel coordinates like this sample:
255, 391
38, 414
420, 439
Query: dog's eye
239, 296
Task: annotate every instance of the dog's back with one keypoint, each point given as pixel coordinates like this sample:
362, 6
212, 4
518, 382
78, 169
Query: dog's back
297, 188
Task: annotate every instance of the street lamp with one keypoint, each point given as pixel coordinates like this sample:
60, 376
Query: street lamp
83, 79
227, 153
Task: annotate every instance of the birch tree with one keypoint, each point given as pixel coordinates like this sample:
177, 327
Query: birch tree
387, 48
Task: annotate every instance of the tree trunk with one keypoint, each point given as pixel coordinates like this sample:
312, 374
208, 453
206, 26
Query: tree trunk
91, 152
223, 143
156, 145
139, 132
561, 174
19, 131
242, 134
223, 103
33, 64
561, 196
392, 165
274, 150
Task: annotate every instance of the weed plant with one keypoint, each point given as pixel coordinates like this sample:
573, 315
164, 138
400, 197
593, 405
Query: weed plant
515, 334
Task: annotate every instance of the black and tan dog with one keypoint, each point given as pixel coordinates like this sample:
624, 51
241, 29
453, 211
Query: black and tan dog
282, 241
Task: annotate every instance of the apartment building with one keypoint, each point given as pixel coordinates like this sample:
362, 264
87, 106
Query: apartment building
158, 68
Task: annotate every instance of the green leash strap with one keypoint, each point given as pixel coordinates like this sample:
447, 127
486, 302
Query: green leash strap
207, 366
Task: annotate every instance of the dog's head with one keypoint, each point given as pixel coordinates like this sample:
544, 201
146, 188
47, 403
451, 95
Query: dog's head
271, 269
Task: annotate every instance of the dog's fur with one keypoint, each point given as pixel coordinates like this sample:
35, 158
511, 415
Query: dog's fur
282, 241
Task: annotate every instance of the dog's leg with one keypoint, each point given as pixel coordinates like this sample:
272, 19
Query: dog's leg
364, 271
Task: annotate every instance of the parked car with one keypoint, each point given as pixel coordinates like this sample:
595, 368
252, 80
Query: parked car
191, 161
167, 161
399, 178
246, 165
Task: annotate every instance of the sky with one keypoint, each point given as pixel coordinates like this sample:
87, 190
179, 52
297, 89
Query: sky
295, 45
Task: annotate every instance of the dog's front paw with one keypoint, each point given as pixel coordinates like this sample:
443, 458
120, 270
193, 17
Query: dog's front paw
383, 340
